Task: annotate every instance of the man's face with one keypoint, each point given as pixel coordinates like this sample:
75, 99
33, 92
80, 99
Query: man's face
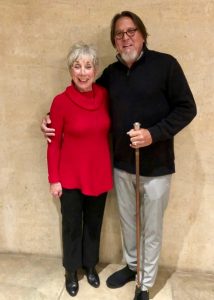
129, 46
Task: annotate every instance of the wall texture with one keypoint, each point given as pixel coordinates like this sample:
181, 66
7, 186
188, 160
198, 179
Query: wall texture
35, 36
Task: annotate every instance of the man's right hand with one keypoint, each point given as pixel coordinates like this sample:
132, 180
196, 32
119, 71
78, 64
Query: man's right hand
47, 131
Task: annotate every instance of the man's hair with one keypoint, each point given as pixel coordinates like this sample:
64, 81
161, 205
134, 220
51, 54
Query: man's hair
136, 20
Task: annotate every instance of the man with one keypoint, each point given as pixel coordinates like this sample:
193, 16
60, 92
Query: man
147, 87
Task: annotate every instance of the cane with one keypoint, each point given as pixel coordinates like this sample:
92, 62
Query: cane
138, 219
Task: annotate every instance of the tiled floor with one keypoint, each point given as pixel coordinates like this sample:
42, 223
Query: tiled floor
25, 277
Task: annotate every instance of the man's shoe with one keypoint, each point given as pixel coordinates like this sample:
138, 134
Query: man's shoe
71, 283
92, 277
120, 278
143, 295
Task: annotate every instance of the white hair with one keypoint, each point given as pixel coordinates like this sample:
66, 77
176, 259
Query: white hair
81, 50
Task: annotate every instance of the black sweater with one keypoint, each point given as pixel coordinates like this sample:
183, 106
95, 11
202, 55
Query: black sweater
154, 92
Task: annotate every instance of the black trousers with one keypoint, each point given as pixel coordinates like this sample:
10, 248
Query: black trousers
82, 218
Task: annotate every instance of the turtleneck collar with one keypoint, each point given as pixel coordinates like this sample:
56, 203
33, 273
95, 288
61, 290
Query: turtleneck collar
90, 100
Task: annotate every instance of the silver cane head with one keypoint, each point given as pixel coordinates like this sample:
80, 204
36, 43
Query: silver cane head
136, 125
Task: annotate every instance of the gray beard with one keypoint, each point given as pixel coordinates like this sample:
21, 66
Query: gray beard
129, 57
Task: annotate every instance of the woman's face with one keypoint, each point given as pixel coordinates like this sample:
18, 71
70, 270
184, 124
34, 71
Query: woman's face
83, 73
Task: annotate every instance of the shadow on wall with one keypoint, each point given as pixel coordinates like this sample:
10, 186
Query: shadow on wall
56, 202
182, 211
106, 52
184, 204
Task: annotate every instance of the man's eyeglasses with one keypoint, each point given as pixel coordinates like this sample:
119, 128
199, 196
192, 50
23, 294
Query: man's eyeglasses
130, 32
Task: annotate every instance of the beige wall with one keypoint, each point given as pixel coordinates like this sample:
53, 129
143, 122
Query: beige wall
34, 39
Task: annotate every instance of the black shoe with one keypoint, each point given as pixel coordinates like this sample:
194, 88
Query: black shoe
71, 283
92, 277
120, 278
143, 295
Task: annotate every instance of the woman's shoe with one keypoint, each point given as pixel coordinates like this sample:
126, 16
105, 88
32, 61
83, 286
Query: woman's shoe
92, 277
71, 283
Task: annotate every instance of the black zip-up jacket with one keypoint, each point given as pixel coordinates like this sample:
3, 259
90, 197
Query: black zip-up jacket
154, 92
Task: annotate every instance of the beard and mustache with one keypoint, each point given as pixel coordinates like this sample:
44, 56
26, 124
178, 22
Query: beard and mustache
129, 57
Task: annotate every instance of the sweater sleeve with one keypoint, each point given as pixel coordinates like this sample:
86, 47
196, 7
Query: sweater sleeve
53, 150
181, 103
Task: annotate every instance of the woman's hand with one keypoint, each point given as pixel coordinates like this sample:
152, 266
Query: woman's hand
140, 138
56, 189
47, 131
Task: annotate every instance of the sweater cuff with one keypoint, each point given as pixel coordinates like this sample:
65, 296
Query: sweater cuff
53, 179
155, 133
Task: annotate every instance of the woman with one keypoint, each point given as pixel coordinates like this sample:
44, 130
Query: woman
79, 164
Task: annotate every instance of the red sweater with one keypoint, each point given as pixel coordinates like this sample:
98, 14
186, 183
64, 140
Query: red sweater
79, 154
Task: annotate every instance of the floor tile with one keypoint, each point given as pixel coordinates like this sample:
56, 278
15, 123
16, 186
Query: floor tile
28, 277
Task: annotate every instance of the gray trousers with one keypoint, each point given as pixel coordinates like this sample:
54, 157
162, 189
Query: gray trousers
154, 195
